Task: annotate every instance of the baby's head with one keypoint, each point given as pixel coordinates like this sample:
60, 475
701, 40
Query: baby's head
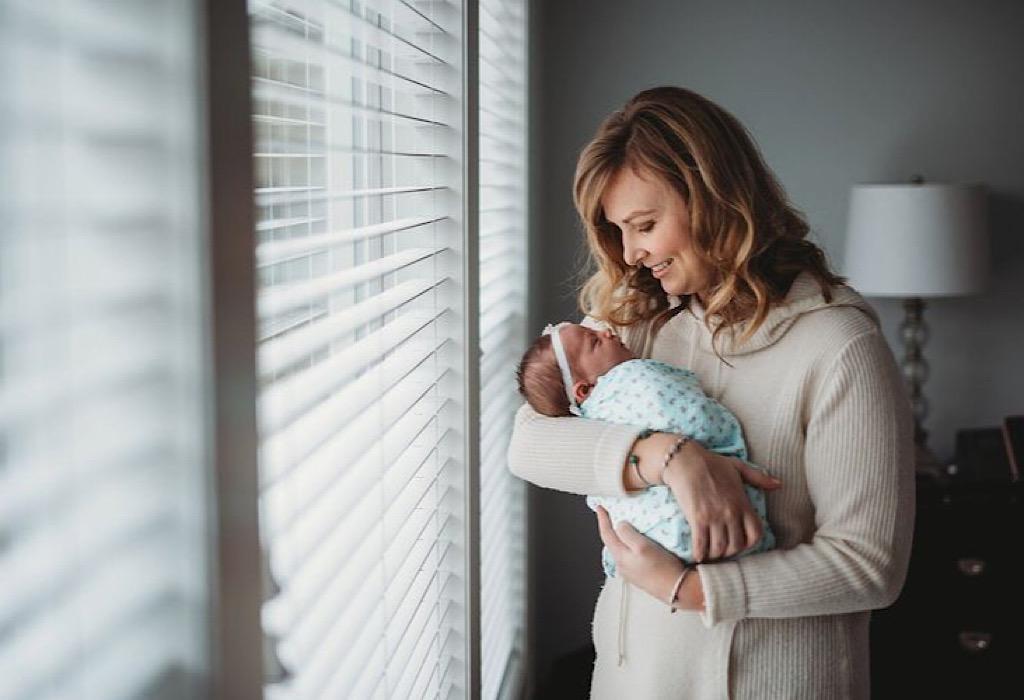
589, 354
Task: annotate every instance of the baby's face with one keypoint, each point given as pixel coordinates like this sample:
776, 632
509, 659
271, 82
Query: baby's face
592, 353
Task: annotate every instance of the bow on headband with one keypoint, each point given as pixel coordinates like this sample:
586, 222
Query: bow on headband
563, 362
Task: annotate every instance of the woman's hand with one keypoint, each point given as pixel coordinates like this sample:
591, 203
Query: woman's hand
709, 489
642, 561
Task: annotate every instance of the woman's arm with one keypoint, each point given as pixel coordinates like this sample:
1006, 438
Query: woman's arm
570, 454
705, 485
860, 474
574, 454
591, 457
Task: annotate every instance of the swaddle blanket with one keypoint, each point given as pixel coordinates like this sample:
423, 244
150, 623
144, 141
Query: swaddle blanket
664, 398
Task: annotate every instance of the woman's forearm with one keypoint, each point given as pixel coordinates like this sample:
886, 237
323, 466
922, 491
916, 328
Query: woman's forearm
651, 452
570, 454
691, 593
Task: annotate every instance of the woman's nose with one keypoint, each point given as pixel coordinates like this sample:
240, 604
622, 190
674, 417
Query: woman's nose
631, 253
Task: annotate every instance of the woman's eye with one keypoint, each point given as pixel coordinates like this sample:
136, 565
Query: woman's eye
647, 227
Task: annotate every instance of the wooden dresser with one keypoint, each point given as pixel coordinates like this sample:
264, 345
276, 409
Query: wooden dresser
957, 629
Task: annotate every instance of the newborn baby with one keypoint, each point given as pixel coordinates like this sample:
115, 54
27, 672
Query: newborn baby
574, 370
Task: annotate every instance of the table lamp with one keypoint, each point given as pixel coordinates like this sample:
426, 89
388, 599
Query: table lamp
916, 241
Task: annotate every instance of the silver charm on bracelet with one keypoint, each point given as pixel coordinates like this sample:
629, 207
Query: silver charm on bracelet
672, 452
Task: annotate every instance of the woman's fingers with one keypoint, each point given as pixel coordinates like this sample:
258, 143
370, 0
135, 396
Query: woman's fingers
608, 536
629, 535
699, 537
718, 541
753, 528
737, 539
757, 478
711, 494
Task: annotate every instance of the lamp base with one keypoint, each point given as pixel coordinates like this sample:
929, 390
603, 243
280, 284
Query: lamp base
914, 332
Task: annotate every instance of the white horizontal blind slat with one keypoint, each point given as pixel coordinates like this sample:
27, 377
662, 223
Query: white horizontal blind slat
336, 424
276, 354
291, 500
102, 546
304, 294
309, 567
277, 251
502, 329
357, 125
429, 587
361, 628
296, 394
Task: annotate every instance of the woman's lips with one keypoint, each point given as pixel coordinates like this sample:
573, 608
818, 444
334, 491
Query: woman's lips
659, 272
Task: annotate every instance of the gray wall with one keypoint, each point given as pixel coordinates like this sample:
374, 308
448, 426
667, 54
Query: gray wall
835, 94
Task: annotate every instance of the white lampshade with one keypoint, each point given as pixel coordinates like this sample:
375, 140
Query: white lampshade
912, 240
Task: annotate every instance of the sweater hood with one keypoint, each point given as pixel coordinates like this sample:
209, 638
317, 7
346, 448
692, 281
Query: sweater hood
804, 297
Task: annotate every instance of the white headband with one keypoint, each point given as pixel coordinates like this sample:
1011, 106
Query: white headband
563, 362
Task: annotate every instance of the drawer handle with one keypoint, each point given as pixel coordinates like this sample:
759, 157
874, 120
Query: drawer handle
975, 642
971, 567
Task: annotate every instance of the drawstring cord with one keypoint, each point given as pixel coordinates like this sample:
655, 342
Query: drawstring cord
716, 390
718, 378
623, 598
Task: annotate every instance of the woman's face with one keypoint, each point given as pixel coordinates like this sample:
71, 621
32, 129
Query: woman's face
655, 226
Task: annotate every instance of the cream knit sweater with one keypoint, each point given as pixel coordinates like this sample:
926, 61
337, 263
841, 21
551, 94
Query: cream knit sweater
822, 407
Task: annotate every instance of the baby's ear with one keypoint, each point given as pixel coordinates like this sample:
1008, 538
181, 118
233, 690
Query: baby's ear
581, 390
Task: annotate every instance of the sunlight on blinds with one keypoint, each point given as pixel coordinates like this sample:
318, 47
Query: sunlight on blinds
502, 336
102, 544
357, 116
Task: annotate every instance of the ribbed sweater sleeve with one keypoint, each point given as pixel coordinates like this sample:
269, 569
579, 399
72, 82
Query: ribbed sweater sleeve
859, 468
570, 454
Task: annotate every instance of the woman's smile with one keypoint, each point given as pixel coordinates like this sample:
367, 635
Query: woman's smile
661, 268
654, 225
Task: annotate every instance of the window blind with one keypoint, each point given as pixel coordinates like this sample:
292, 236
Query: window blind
358, 145
502, 279
102, 544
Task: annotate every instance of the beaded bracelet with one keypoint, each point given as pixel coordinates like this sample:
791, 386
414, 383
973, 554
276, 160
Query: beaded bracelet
634, 460
672, 452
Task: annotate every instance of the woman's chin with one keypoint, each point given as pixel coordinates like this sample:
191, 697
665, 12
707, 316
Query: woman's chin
678, 287
673, 287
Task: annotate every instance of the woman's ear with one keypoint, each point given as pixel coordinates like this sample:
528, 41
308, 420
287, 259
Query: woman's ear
581, 390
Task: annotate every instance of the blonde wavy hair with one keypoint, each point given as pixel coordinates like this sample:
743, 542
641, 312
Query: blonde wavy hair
742, 224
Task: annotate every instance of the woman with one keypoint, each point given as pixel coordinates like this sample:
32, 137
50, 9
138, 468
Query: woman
701, 262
